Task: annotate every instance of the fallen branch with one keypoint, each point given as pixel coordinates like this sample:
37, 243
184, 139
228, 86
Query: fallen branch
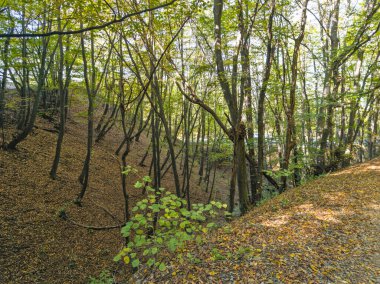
46, 129
106, 211
65, 217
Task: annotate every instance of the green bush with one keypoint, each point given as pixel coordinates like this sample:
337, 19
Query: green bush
161, 224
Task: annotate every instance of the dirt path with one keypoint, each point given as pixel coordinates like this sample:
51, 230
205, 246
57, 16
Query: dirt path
326, 231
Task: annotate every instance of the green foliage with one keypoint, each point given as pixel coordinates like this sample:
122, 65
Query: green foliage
61, 212
129, 170
193, 259
217, 255
161, 224
309, 178
284, 203
105, 277
285, 173
243, 252
222, 152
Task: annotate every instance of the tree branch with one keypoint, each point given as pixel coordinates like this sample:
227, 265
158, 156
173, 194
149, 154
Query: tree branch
65, 217
82, 30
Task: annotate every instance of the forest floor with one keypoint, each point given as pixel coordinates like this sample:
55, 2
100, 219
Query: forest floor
36, 246
326, 231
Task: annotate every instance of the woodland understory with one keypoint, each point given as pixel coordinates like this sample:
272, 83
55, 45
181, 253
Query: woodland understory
230, 105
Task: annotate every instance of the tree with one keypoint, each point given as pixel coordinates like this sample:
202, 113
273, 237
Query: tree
233, 101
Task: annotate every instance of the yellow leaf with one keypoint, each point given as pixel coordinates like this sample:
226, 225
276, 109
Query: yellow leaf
292, 255
126, 259
212, 273
315, 269
191, 276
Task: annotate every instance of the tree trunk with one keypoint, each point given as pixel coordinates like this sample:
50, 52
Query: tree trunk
291, 142
230, 96
42, 72
90, 87
4, 85
261, 101
61, 94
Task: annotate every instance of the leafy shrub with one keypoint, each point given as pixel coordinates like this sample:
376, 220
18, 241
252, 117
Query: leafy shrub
162, 224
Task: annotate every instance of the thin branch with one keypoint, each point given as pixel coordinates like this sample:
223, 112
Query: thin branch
65, 217
82, 30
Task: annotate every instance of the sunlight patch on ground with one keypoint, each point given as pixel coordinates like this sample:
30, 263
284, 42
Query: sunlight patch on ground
307, 211
373, 168
374, 206
348, 172
336, 196
321, 214
327, 215
357, 169
305, 207
276, 222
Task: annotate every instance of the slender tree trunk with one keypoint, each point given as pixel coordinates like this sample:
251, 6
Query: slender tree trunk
376, 129
332, 73
261, 101
90, 86
22, 119
4, 84
61, 94
202, 147
291, 142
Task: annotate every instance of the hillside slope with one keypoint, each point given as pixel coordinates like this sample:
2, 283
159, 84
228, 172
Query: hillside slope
326, 231
323, 232
36, 246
